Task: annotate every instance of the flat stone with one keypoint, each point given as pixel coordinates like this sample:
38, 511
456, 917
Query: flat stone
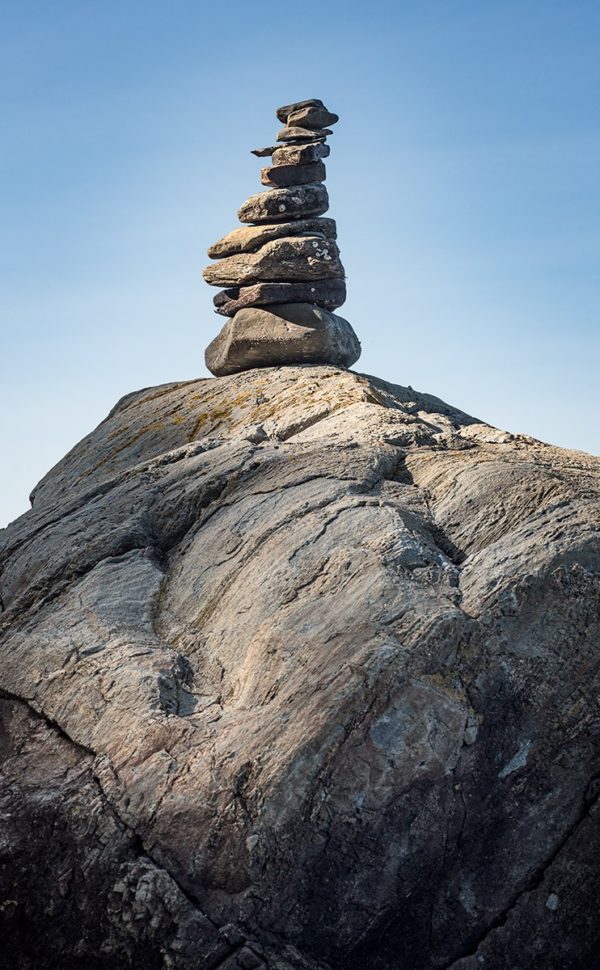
285, 204
311, 116
289, 260
264, 152
325, 293
283, 113
282, 176
299, 154
247, 239
296, 133
285, 334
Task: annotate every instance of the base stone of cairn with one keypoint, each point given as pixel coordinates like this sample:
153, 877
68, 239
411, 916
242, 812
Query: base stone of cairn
285, 333
281, 271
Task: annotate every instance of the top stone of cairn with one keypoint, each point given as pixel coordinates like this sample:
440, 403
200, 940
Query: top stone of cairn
311, 114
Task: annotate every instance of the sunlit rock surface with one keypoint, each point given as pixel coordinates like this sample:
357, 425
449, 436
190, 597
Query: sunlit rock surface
300, 671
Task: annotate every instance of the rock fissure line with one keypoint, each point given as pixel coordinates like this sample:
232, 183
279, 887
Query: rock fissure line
533, 883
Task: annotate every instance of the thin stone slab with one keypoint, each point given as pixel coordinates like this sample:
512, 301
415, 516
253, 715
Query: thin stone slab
299, 154
302, 134
285, 204
248, 239
288, 334
263, 152
311, 116
283, 113
286, 260
283, 176
325, 293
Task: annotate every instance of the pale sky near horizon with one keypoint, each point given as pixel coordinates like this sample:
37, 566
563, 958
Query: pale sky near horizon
464, 177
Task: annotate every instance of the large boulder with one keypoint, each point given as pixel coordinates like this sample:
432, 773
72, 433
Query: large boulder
292, 333
300, 670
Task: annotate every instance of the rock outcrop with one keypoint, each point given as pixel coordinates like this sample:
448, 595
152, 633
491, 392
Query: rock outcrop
286, 254
300, 671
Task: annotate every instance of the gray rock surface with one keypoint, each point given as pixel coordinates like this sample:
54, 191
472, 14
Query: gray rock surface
329, 294
290, 259
247, 239
280, 176
285, 204
301, 670
290, 333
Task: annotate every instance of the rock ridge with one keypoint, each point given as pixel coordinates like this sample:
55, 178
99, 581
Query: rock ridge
300, 671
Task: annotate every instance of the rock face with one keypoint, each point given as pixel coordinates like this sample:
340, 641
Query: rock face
300, 671
286, 254
299, 333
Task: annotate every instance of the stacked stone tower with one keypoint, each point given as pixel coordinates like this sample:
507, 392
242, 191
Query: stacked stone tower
281, 271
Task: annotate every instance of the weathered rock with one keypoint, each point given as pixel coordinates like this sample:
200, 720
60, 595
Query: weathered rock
303, 669
284, 204
302, 134
329, 294
283, 113
294, 154
285, 334
281, 176
311, 116
264, 152
247, 239
291, 259
299, 154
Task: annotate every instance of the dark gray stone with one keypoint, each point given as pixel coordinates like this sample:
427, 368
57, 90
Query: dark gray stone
285, 334
326, 293
282, 176
286, 110
311, 116
303, 134
263, 152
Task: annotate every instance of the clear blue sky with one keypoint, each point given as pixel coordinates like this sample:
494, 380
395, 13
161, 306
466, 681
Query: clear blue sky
464, 176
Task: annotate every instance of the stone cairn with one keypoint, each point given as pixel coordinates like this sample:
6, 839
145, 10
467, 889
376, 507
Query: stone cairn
281, 270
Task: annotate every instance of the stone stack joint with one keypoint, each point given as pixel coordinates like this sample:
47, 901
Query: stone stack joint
281, 271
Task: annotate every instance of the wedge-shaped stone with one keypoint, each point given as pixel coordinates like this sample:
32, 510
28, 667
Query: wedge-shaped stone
263, 152
311, 116
281, 205
294, 153
299, 154
294, 333
282, 176
295, 133
285, 111
326, 293
289, 260
248, 239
